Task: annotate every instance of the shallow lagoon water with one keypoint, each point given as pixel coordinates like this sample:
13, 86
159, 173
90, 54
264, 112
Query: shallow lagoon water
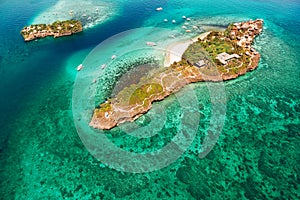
90, 13
257, 154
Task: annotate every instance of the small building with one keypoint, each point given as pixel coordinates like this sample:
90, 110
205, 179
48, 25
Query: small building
200, 64
225, 57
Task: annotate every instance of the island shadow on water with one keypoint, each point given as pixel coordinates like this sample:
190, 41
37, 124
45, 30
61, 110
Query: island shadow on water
133, 76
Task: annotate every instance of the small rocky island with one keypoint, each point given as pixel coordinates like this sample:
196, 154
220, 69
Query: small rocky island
56, 29
218, 56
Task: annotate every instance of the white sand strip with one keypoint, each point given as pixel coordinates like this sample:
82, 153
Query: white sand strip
201, 36
175, 51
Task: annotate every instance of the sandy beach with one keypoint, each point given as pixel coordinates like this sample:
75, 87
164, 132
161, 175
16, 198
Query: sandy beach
174, 51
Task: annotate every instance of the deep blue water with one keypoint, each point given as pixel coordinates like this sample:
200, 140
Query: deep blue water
263, 110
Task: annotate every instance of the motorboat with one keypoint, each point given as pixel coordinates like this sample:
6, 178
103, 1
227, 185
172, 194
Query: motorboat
151, 44
159, 9
79, 67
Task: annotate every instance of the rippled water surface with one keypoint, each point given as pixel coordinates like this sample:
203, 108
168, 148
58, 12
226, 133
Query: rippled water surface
43, 157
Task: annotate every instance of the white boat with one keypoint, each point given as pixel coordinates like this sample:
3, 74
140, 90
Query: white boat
183, 17
172, 36
79, 67
188, 31
188, 19
173, 21
113, 57
151, 44
165, 20
159, 9
184, 27
103, 66
195, 27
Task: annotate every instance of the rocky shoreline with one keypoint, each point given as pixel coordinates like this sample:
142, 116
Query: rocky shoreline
56, 29
219, 56
244, 34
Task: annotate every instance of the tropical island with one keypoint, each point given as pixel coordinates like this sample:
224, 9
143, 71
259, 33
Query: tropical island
218, 56
56, 29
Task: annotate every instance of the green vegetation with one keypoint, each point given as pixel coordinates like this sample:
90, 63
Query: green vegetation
33, 28
105, 107
145, 92
61, 28
195, 52
140, 96
66, 26
217, 43
214, 44
227, 31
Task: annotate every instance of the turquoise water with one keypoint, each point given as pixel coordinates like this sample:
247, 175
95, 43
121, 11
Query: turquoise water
256, 156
